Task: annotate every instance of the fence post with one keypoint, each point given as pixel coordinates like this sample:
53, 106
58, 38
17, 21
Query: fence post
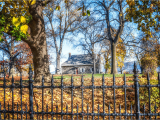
136, 91
30, 92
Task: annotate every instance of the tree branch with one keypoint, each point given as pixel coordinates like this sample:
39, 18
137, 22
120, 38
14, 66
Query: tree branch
46, 2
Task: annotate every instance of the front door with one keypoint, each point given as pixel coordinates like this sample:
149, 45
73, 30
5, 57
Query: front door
76, 70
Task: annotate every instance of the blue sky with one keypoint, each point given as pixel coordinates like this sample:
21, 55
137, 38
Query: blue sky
68, 48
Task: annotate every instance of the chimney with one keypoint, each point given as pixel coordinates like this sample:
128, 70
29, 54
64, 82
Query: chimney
69, 55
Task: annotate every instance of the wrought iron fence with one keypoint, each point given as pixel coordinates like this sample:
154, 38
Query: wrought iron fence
136, 85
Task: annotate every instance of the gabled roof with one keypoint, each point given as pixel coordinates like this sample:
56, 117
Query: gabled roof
83, 59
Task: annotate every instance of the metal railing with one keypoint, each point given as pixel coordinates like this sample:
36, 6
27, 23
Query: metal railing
136, 85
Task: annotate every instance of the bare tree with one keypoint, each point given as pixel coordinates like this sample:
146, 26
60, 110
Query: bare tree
90, 42
60, 24
112, 13
150, 46
8, 48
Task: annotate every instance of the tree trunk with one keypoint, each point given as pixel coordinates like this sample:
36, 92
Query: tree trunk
113, 52
37, 43
58, 64
106, 70
121, 70
12, 68
94, 65
141, 69
41, 64
11, 64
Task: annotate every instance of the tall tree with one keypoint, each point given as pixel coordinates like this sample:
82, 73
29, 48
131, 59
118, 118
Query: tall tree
12, 23
120, 54
113, 14
16, 17
60, 24
25, 57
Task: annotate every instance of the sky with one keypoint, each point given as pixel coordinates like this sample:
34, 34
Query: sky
68, 48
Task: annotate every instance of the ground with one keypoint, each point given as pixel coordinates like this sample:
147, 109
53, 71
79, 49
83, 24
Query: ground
77, 98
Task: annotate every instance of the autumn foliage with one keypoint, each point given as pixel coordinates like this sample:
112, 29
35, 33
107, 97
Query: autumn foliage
25, 58
120, 54
150, 58
139, 10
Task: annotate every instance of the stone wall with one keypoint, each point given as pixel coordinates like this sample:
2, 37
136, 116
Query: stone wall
68, 70
81, 69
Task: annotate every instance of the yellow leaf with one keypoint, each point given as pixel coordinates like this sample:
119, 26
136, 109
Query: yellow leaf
25, 1
33, 2
66, 1
15, 21
57, 7
23, 19
51, 9
84, 14
24, 28
79, 8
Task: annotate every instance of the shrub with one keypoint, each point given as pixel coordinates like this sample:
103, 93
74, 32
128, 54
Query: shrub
150, 65
154, 94
125, 72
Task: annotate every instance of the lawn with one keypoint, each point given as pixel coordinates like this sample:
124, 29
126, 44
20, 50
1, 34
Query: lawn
77, 99
65, 76
90, 75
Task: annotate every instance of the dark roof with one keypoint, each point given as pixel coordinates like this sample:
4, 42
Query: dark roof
83, 59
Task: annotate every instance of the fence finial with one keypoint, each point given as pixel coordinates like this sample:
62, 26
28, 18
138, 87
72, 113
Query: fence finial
135, 71
135, 68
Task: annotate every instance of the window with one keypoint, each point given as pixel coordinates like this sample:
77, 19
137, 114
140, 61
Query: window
80, 69
91, 69
83, 69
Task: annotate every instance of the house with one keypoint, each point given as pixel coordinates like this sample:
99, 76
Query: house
80, 64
